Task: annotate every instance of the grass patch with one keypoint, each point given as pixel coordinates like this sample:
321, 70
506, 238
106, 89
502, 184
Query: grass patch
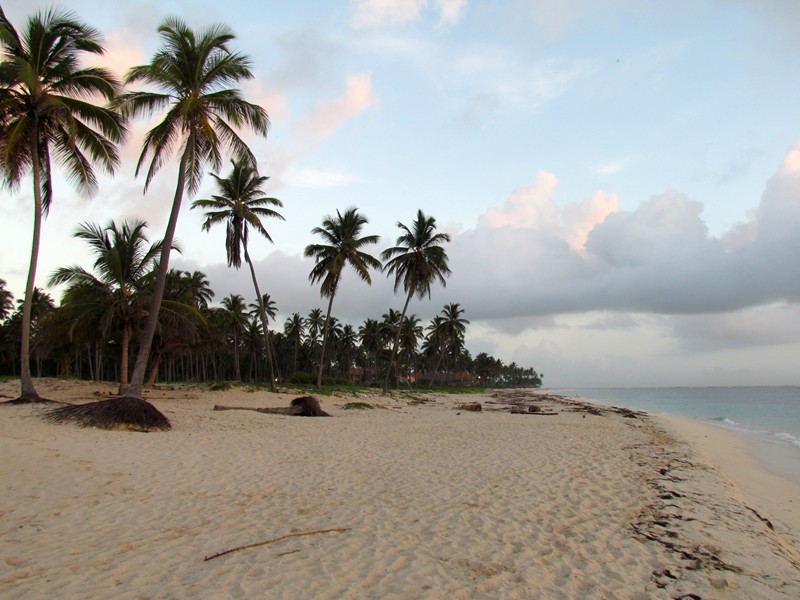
220, 386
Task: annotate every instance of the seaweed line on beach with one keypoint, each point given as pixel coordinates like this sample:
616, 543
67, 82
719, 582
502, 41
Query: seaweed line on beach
682, 520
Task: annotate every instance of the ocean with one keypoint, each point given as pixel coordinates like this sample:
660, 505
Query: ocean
769, 416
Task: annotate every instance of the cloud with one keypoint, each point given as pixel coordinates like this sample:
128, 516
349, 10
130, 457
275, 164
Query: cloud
555, 17
330, 115
380, 13
285, 278
374, 13
306, 55
451, 11
612, 167
494, 78
319, 178
535, 208
769, 325
524, 259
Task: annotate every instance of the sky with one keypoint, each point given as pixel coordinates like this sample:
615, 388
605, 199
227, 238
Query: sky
620, 179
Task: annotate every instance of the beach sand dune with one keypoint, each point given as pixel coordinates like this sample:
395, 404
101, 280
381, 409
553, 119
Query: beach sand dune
412, 500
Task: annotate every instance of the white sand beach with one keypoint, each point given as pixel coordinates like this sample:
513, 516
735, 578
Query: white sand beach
415, 499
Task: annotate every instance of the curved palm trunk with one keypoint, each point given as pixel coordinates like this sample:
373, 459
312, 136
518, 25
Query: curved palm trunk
28, 391
137, 378
263, 313
324, 343
156, 364
397, 340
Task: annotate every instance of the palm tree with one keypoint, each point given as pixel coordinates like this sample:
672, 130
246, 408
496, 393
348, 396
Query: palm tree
370, 335
6, 301
294, 330
347, 346
196, 288
416, 260
409, 337
192, 72
180, 320
315, 323
42, 307
235, 311
342, 246
111, 295
241, 204
270, 307
454, 328
46, 109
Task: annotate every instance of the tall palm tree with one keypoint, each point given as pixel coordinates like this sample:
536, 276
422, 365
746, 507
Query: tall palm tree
241, 205
235, 310
342, 246
315, 324
111, 295
191, 72
410, 336
196, 288
46, 111
270, 307
294, 330
370, 335
455, 328
417, 260
347, 347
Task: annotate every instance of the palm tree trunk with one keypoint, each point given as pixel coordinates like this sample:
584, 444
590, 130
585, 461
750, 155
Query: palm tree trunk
237, 374
156, 364
397, 340
137, 378
324, 342
28, 391
123, 361
263, 313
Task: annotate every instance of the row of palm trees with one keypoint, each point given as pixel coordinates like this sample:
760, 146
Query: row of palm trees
200, 342
48, 114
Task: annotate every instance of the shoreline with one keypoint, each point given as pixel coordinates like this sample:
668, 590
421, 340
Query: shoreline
776, 453
737, 457
417, 498
744, 458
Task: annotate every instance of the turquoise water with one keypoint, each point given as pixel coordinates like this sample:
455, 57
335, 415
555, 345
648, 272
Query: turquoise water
768, 415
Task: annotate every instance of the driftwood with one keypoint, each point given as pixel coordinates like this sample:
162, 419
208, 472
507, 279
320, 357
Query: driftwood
305, 406
533, 410
469, 406
273, 540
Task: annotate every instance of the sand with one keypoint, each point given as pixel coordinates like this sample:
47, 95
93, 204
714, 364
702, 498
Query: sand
411, 500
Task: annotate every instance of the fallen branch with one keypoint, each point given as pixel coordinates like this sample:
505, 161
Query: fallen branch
272, 541
307, 406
